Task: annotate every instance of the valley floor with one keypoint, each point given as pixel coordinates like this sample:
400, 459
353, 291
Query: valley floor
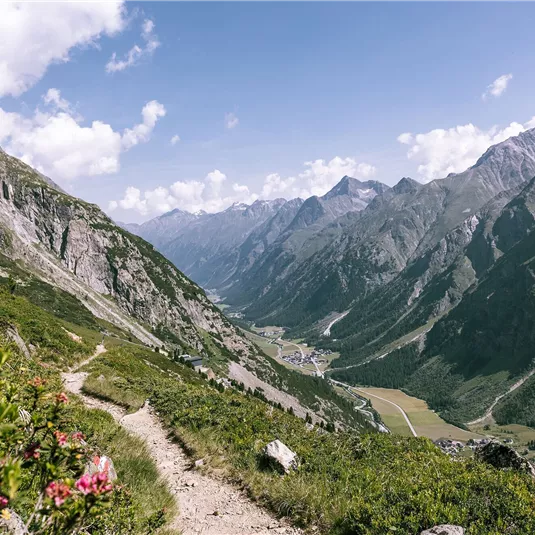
395, 407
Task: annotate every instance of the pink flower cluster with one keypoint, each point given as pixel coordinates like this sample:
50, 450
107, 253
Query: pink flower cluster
3, 502
58, 491
78, 436
37, 382
96, 484
61, 438
62, 398
32, 451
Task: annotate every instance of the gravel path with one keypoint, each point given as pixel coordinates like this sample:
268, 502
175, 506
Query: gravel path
207, 506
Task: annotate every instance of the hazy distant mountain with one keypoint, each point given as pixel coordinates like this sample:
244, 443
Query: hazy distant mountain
217, 249
206, 247
163, 229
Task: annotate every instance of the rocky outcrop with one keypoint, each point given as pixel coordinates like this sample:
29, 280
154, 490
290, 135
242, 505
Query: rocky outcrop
503, 457
13, 334
280, 456
445, 529
74, 245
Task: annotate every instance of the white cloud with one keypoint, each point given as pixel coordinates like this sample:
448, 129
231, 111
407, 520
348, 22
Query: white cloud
151, 112
175, 139
57, 144
318, 178
498, 87
231, 121
36, 35
136, 53
53, 97
191, 195
405, 138
440, 152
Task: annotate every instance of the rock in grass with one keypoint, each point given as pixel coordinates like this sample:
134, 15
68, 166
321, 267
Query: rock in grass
279, 455
501, 456
101, 464
12, 524
445, 529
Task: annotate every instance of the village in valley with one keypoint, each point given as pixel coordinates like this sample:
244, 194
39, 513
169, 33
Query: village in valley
302, 356
314, 357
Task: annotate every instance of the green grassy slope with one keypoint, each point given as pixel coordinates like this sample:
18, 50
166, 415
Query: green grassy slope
346, 483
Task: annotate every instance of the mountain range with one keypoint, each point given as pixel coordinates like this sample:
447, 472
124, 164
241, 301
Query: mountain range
414, 260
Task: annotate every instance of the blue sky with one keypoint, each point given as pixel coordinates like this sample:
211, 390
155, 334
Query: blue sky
331, 83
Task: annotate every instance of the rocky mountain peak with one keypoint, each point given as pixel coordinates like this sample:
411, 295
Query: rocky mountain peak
406, 185
353, 187
261, 206
175, 212
510, 149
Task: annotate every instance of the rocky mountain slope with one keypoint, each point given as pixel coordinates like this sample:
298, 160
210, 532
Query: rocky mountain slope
480, 278
74, 245
312, 229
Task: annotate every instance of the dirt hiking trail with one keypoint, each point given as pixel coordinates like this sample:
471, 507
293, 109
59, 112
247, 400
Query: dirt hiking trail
206, 506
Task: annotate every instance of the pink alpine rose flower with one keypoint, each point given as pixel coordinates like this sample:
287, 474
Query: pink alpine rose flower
32, 452
62, 438
84, 484
62, 398
100, 483
58, 491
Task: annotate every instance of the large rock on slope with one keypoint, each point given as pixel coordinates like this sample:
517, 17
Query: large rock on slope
280, 456
503, 457
445, 529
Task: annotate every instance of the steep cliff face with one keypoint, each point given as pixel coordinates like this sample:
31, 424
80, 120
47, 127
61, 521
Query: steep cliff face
76, 246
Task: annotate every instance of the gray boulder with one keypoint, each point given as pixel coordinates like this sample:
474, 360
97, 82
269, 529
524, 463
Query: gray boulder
280, 456
445, 529
13, 525
501, 456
